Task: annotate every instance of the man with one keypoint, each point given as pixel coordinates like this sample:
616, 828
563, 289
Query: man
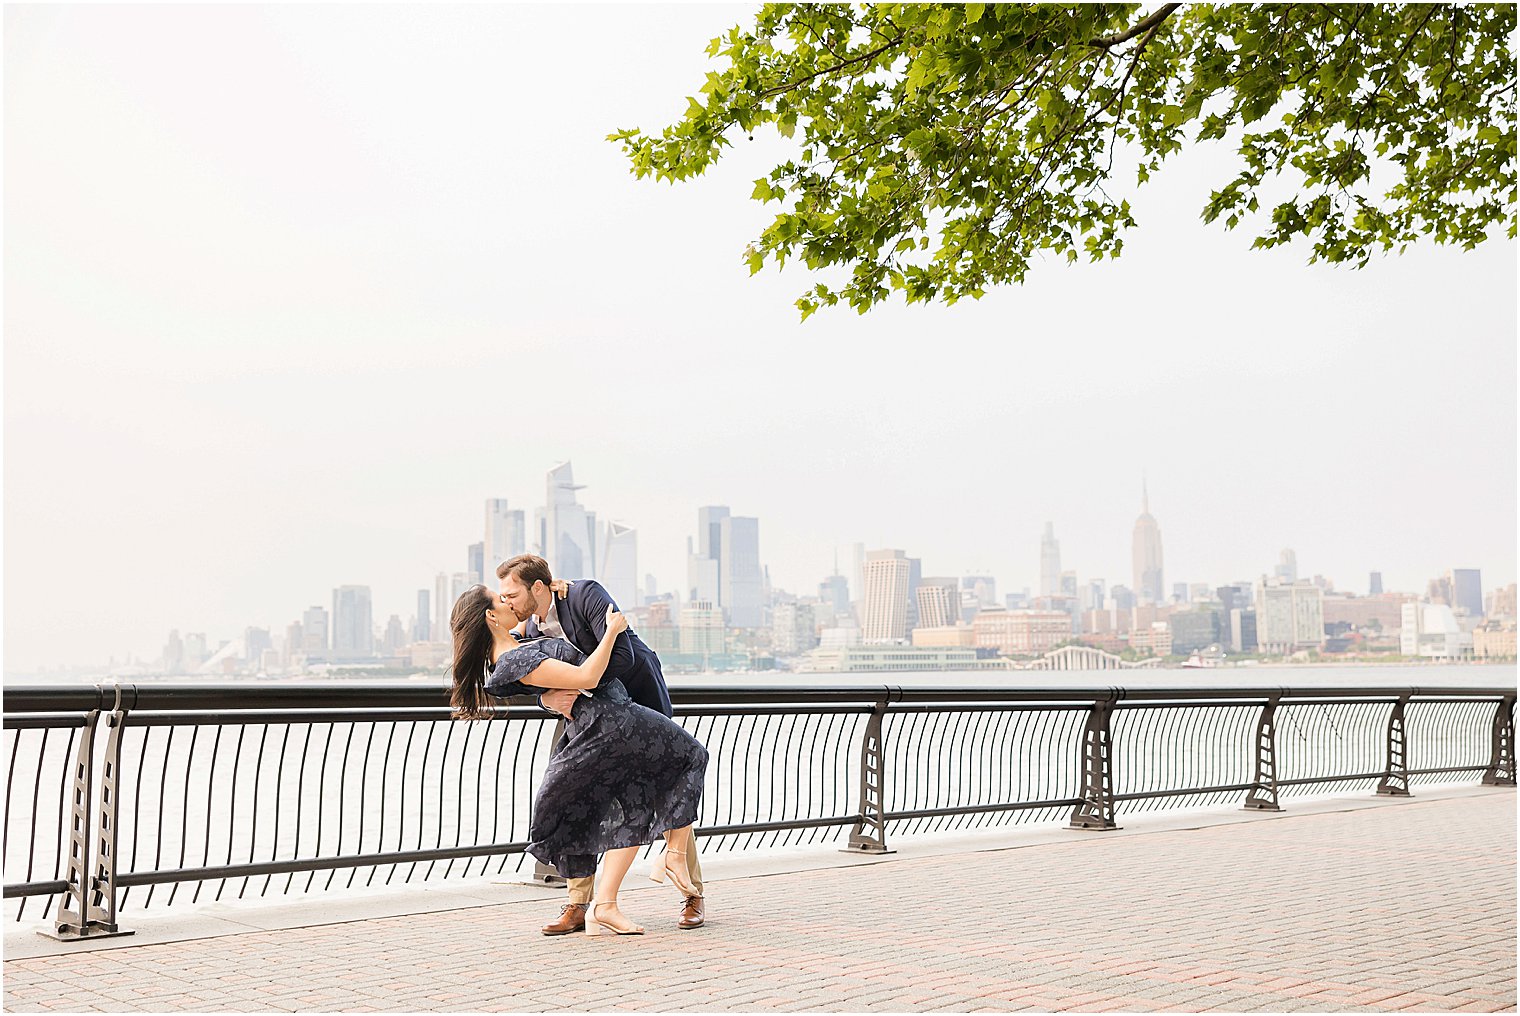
577, 612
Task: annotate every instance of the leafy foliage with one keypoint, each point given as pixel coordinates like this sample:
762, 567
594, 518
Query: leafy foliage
941, 148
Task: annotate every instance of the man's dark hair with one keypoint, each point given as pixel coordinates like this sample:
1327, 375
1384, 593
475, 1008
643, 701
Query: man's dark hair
529, 568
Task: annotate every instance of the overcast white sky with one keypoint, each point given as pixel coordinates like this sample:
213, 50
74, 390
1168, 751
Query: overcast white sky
290, 291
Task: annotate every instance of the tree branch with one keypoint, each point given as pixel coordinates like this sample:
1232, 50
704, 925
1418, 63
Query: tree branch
779, 89
1145, 25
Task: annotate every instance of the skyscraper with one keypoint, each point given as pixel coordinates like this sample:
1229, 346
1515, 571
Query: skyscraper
566, 530
1050, 562
939, 602
353, 635
314, 632
423, 626
475, 562
443, 606
1287, 566
740, 581
1375, 583
703, 557
620, 565
1467, 591
505, 536
886, 601
1147, 553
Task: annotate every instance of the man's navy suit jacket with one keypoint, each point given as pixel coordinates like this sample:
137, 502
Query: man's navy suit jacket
582, 612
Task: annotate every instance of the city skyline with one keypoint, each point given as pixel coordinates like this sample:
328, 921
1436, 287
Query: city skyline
357, 631
289, 330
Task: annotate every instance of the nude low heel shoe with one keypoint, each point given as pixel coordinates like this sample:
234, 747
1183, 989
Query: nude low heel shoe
594, 925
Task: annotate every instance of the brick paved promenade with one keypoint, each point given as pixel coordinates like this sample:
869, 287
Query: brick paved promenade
1391, 906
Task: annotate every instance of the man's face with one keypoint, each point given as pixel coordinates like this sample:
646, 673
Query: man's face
520, 599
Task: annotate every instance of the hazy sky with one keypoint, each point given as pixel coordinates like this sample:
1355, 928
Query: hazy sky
290, 291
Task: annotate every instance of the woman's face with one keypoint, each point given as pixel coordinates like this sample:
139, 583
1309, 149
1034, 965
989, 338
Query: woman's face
499, 614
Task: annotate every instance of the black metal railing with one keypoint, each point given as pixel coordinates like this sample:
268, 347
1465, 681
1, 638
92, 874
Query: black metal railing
139, 796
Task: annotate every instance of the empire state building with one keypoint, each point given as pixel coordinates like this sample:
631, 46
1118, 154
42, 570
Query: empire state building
1147, 553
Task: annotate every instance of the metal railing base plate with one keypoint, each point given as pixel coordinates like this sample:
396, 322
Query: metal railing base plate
89, 935
869, 848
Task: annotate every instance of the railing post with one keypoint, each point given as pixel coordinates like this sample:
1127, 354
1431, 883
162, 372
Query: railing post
1095, 757
87, 908
870, 833
1263, 796
1501, 759
1395, 781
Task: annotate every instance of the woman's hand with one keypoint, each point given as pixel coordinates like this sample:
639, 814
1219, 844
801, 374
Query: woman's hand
616, 622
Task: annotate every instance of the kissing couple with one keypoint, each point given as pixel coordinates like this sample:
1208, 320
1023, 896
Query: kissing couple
623, 773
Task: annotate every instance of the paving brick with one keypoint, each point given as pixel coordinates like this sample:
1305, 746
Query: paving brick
1407, 907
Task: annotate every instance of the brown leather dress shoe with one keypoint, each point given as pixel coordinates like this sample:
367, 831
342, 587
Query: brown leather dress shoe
692, 915
572, 919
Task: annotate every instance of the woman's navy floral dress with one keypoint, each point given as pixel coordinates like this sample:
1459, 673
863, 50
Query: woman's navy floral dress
622, 775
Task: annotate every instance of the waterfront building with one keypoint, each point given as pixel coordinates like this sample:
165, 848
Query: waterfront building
1020, 632
939, 602
619, 569
314, 632
702, 631
1494, 640
506, 536
423, 626
565, 531
1289, 617
428, 655
1243, 630
1050, 562
1431, 630
1154, 639
1383, 612
1195, 629
740, 579
475, 563
957, 635
840, 636
1467, 591
353, 628
1146, 553
876, 659
792, 629
886, 603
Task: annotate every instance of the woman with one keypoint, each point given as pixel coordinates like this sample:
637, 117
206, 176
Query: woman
622, 775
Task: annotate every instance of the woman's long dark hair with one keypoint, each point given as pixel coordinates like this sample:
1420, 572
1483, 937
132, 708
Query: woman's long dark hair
472, 653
